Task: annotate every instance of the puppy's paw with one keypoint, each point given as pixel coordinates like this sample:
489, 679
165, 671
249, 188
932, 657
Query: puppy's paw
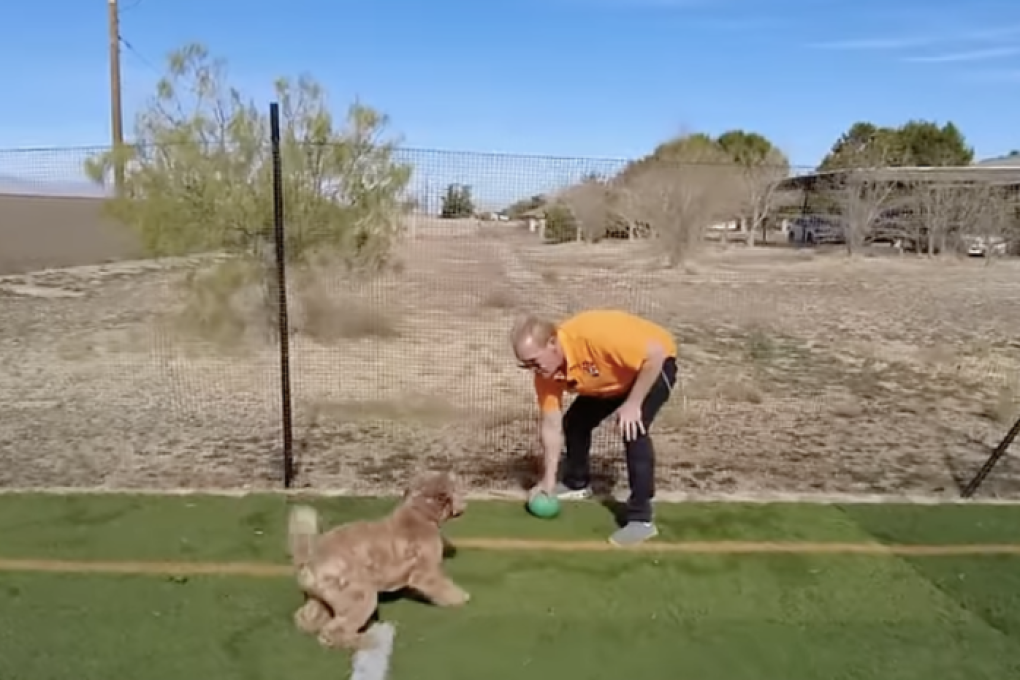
338, 639
311, 617
458, 597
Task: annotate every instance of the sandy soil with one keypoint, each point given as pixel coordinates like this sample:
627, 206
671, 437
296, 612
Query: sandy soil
803, 372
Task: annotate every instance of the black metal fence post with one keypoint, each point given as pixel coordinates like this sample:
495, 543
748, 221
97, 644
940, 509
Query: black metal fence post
993, 459
279, 237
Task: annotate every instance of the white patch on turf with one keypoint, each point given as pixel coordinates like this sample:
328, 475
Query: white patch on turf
373, 663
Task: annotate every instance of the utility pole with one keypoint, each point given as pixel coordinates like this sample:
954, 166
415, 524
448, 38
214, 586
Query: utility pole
116, 111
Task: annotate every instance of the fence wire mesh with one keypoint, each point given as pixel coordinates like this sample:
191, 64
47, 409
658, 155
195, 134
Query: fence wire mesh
885, 362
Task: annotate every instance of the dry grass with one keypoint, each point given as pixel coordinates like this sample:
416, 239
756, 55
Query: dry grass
328, 319
499, 298
1004, 406
800, 374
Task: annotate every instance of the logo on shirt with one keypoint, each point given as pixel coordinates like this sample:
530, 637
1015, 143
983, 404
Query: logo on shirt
590, 368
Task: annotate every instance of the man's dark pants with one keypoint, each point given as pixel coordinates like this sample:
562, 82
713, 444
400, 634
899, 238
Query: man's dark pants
585, 414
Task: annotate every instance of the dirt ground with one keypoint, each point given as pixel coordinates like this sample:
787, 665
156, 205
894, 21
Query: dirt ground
803, 372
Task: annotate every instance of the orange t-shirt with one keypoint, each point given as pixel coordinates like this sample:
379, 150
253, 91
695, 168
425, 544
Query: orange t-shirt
604, 350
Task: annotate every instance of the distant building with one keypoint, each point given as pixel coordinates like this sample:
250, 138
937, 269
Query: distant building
535, 219
1008, 161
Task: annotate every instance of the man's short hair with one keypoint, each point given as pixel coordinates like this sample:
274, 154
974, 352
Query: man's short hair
532, 328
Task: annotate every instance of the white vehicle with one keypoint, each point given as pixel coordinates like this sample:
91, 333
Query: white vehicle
983, 246
814, 230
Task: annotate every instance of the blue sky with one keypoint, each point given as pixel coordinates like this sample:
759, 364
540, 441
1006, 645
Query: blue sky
574, 79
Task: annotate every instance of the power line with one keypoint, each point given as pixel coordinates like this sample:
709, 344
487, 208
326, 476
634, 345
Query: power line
134, 5
136, 54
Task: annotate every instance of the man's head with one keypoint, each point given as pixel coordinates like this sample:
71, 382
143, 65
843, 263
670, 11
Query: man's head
536, 346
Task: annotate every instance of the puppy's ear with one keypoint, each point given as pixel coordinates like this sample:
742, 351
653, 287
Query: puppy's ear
414, 486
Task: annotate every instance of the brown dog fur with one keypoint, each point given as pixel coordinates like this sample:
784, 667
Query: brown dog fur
342, 570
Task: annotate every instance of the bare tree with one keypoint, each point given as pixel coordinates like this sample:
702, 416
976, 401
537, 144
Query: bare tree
948, 210
865, 196
758, 181
591, 203
680, 197
994, 222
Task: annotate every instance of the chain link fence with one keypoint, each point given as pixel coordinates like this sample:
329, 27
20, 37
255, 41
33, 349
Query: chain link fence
834, 335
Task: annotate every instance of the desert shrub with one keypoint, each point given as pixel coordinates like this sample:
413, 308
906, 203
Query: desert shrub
198, 178
560, 224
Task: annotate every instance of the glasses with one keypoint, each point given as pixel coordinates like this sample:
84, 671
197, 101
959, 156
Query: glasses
528, 364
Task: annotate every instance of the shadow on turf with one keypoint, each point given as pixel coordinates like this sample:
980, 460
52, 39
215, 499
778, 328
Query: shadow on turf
617, 509
524, 471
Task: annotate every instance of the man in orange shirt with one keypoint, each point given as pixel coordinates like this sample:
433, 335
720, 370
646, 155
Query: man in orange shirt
617, 364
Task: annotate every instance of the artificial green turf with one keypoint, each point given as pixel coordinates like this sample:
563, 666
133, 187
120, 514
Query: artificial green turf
111, 527
585, 615
988, 587
605, 616
937, 524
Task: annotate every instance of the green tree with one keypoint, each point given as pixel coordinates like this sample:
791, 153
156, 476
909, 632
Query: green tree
915, 143
863, 145
926, 144
761, 166
457, 202
748, 148
198, 175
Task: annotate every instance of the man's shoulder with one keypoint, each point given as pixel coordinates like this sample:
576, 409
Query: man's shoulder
596, 317
601, 320
607, 327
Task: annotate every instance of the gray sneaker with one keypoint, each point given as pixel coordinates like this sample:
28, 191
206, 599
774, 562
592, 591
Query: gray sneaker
565, 493
633, 533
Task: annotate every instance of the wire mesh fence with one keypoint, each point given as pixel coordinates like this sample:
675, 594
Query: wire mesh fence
140, 344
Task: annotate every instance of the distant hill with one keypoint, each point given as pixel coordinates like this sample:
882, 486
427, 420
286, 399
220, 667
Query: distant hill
20, 186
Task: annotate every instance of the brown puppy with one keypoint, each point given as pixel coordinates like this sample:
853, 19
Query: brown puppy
342, 570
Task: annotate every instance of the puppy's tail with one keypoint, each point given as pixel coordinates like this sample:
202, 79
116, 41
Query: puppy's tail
302, 532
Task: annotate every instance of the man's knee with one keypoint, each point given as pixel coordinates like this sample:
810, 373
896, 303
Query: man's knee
660, 393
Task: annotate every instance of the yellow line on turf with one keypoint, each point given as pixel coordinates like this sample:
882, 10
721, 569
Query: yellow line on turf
265, 569
742, 547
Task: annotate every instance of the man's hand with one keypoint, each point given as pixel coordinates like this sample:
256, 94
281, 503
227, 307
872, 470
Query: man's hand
546, 486
629, 420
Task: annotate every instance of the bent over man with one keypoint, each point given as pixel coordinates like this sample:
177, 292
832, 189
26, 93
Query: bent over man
617, 364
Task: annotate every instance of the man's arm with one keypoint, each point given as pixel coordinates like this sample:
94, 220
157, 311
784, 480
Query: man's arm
551, 433
651, 369
550, 403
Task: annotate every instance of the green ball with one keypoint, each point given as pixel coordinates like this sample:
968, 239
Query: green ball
544, 506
